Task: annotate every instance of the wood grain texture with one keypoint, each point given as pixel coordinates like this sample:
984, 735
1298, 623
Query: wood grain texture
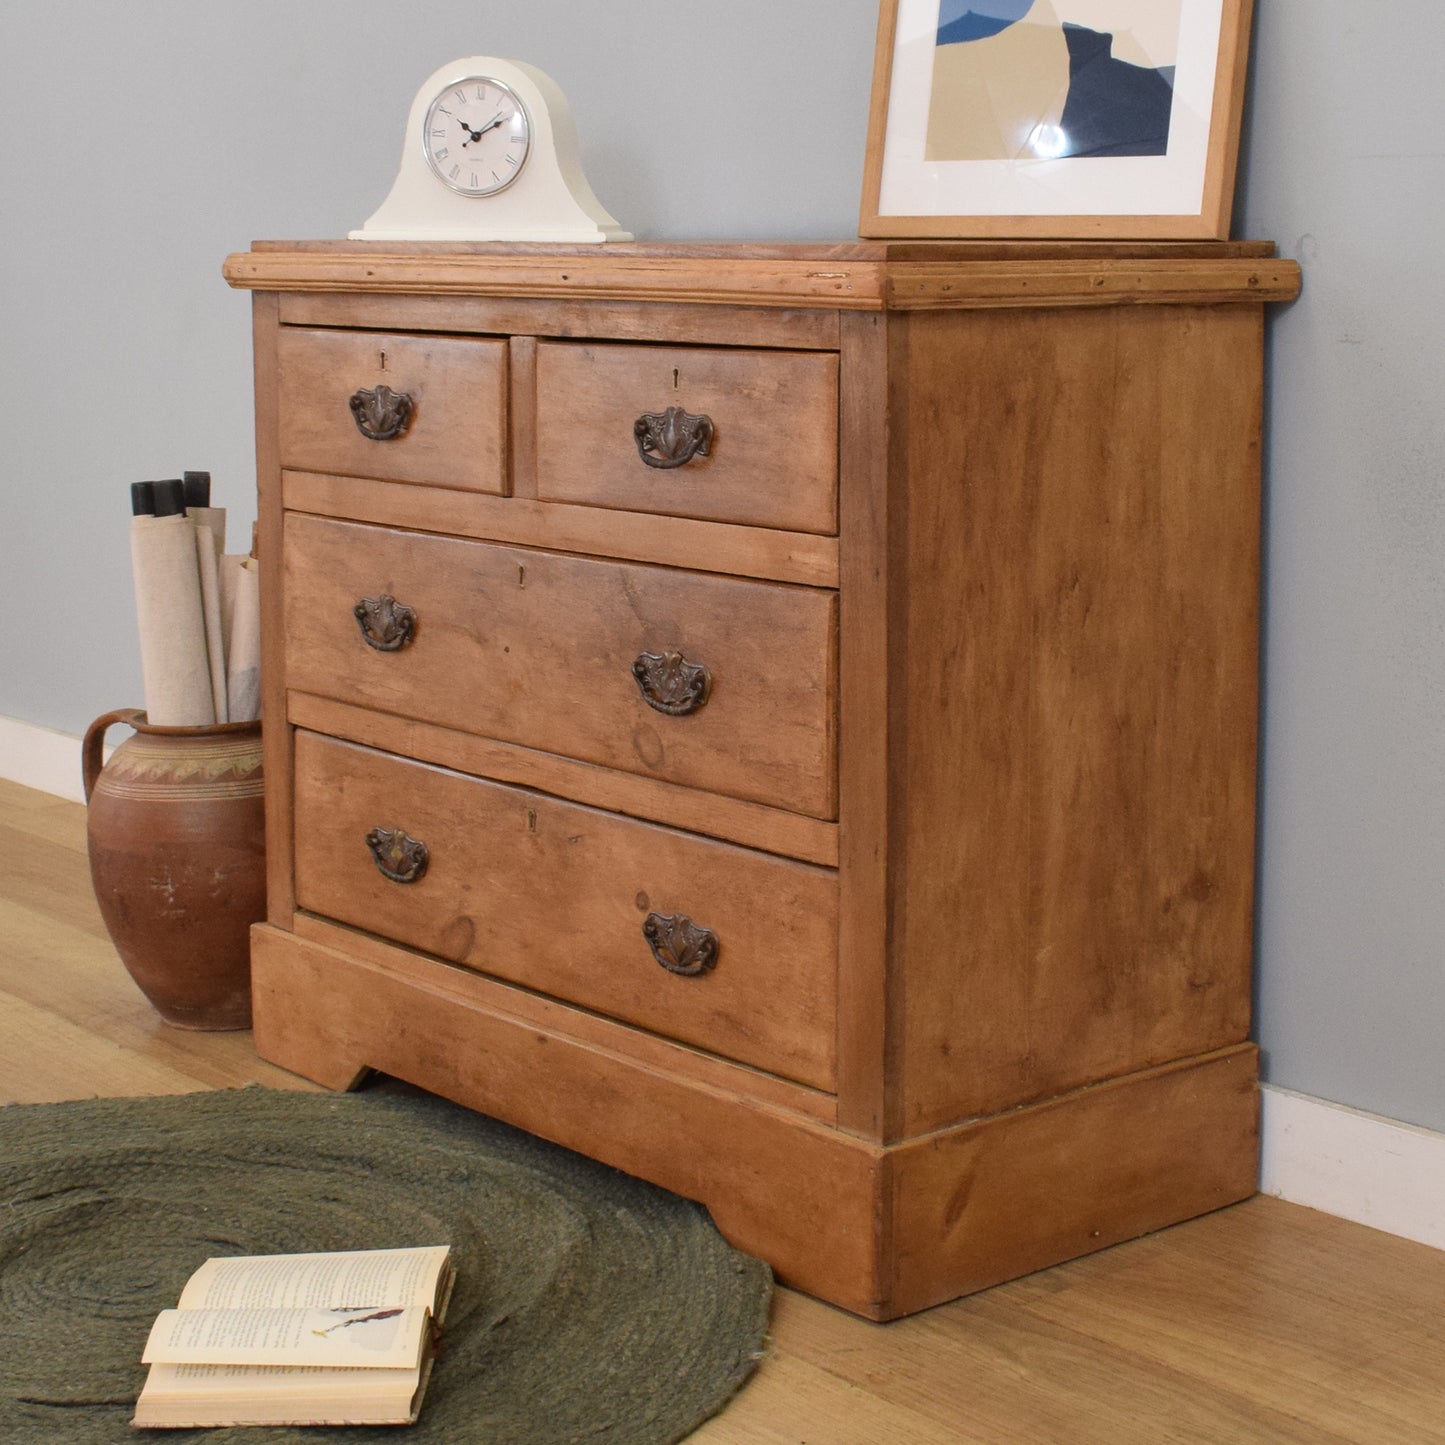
532, 316
756, 279
1261, 1324
521, 415
945, 286
1078, 755
1264, 1324
537, 648
594, 1030
554, 896
811, 561
866, 1008
1029, 708
457, 434
838, 278
275, 742
997, 1199
777, 1184
773, 458
770, 830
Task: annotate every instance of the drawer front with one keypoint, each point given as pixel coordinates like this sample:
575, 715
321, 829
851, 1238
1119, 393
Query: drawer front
754, 438
440, 421
714, 682
584, 905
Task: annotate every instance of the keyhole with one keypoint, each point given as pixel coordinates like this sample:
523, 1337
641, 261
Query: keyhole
674, 378
383, 361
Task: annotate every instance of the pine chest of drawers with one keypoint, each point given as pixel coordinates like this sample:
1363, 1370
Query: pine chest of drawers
780, 720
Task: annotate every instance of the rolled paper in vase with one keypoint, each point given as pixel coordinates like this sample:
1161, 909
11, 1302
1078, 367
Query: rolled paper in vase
171, 622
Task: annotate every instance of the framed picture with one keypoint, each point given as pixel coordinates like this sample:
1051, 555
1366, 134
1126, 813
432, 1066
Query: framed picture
1089, 119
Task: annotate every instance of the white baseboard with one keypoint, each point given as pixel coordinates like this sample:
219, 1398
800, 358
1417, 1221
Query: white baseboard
1329, 1157
36, 757
1357, 1166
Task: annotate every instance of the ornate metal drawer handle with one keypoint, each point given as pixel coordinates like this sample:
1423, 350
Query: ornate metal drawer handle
381, 413
672, 438
400, 858
679, 945
386, 624
670, 683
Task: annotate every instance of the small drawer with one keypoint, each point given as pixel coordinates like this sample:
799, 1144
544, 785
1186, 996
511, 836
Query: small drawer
717, 946
425, 409
715, 682
729, 436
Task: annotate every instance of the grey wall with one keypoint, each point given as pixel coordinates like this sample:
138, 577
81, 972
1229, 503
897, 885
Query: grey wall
146, 141
1345, 170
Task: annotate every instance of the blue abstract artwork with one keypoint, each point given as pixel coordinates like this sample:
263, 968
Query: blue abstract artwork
963, 20
1113, 108
1052, 79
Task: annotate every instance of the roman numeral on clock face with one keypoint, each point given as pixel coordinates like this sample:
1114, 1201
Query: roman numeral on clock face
493, 142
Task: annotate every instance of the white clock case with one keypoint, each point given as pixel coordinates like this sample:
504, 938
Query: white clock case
549, 201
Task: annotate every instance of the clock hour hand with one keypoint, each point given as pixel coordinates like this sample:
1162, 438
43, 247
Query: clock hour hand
476, 135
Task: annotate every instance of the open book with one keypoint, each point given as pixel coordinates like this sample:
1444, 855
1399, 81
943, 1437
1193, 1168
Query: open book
298, 1339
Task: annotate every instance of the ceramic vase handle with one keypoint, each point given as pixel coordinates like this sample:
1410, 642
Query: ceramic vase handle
92, 750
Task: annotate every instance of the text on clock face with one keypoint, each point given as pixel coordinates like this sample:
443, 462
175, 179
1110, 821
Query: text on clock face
476, 136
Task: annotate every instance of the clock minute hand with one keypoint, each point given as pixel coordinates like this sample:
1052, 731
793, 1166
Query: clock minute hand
476, 135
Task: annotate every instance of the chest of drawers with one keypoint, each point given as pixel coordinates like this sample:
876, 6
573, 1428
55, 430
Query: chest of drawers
780, 720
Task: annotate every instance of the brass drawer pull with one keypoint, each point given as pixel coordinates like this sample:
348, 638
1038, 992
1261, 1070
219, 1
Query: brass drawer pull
381, 413
670, 683
400, 858
672, 438
679, 944
386, 624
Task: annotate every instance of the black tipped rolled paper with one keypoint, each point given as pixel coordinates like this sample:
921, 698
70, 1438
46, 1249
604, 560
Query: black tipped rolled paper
170, 497
198, 488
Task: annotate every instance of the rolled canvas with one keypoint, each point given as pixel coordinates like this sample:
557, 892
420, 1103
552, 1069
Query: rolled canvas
243, 667
170, 618
206, 541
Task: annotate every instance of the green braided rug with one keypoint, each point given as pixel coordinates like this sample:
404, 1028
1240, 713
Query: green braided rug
588, 1307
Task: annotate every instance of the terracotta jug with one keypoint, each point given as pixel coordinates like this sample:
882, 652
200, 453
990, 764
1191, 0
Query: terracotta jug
177, 854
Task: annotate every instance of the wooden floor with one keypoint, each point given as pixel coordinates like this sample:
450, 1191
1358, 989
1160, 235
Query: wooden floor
1265, 1322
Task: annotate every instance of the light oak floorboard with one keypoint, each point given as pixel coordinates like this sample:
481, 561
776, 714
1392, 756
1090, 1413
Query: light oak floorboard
1262, 1323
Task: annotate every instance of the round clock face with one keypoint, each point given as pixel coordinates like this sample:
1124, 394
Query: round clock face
477, 136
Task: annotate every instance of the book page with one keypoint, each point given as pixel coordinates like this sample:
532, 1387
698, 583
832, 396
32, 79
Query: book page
207, 1395
358, 1279
391, 1338
306, 1382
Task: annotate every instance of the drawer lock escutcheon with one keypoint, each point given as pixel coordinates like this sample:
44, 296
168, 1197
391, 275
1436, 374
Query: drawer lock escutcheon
386, 624
679, 944
672, 684
400, 858
381, 413
672, 438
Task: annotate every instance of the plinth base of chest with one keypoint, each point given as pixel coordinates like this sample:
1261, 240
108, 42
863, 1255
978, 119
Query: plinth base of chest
879, 1230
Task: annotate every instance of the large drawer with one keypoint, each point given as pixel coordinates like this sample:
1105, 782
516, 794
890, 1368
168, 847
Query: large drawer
764, 425
562, 899
715, 682
343, 394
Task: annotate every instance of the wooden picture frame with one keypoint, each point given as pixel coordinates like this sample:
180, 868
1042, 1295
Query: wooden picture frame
1016, 118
